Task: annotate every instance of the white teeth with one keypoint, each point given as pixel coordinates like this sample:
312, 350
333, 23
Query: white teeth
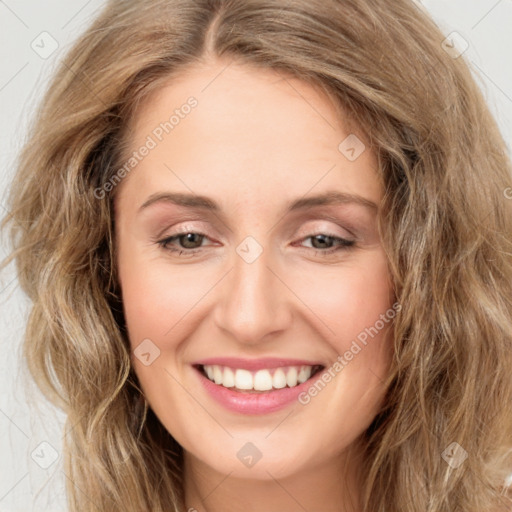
291, 377
243, 379
304, 374
217, 374
262, 380
279, 379
228, 380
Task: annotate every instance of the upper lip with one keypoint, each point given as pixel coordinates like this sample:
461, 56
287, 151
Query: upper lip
255, 364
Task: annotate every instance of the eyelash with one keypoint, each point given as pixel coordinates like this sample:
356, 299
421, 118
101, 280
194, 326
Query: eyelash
343, 243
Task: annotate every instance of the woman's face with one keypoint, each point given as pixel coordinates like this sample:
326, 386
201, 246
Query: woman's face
282, 271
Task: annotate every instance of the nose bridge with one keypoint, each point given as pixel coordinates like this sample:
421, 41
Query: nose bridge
253, 301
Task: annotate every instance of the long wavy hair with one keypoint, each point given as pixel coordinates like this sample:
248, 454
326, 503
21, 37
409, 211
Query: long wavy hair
445, 223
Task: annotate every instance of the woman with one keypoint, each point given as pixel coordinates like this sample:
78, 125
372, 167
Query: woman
168, 218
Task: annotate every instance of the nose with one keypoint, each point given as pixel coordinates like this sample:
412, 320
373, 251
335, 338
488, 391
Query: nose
254, 301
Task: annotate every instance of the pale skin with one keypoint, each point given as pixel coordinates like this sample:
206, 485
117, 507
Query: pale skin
254, 143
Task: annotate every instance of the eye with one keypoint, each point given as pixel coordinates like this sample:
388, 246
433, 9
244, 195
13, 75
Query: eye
320, 240
190, 242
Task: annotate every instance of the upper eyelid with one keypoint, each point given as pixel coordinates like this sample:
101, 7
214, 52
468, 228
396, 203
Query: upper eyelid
349, 228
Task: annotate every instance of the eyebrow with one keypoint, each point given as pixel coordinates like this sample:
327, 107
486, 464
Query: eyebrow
207, 203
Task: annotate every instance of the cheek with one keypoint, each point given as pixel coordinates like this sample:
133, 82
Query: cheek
158, 302
354, 306
350, 298
156, 297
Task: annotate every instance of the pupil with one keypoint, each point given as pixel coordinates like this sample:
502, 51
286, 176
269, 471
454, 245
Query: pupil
189, 240
321, 239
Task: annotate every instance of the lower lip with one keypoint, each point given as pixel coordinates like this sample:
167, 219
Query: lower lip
254, 403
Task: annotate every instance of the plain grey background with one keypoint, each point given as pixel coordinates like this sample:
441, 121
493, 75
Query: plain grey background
34, 35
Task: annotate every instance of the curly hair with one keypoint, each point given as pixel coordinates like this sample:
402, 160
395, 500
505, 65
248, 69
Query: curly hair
445, 223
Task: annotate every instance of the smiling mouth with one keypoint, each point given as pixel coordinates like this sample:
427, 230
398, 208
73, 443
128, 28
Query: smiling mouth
260, 381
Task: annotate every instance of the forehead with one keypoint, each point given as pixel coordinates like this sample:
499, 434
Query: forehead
255, 131
231, 95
